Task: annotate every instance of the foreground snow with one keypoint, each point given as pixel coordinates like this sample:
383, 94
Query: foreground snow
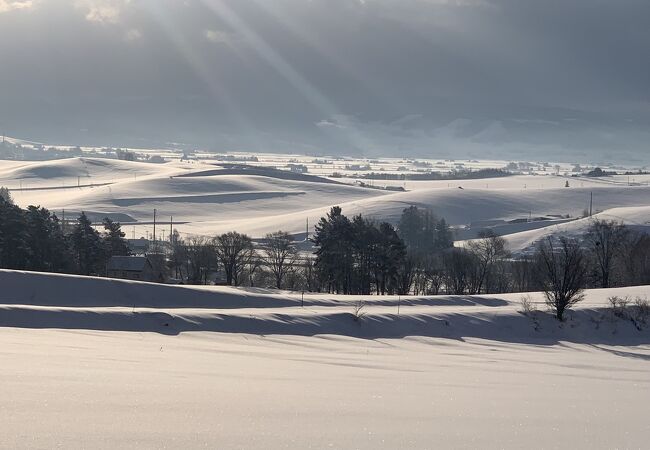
227, 368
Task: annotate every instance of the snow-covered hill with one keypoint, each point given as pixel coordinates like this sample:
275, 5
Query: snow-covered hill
90, 362
36, 300
207, 199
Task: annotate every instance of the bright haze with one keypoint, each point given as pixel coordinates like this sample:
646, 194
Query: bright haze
492, 79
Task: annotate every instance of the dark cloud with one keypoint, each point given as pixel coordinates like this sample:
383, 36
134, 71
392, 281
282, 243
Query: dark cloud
507, 79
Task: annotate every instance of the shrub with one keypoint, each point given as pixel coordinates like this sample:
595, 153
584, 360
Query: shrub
359, 312
619, 305
527, 305
642, 310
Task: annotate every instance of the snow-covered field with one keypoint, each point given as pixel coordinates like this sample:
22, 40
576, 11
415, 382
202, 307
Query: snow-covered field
99, 363
206, 198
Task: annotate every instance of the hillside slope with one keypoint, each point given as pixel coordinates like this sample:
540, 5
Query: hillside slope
100, 363
36, 300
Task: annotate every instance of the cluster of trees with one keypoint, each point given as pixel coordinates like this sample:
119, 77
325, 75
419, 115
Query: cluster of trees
35, 239
275, 262
359, 256
419, 257
457, 174
353, 256
35, 152
609, 254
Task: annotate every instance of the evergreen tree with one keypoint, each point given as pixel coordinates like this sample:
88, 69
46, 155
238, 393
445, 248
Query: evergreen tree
423, 233
363, 245
114, 240
43, 231
5, 194
334, 238
411, 228
14, 239
62, 258
444, 236
389, 254
88, 248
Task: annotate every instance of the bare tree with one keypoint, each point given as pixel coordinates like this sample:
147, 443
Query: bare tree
636, 262
605, 240
199, 254
309, 274
253, 269
460, 269
522, 274
178, 255
429, 275
489, 249
279, 254
562, 270
234, 251
500, 279
405, 275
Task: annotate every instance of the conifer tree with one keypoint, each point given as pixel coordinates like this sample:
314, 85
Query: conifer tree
114, 240
87, 246
334, 238
14, 239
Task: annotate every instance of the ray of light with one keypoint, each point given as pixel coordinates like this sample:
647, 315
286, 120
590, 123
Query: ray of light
330, 54
288, 72
207, 75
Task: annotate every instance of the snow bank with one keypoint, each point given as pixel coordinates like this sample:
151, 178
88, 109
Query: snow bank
35, 300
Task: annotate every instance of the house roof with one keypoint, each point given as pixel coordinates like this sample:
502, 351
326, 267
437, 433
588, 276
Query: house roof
127, 263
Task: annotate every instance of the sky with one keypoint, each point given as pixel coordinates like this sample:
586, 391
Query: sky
558, 80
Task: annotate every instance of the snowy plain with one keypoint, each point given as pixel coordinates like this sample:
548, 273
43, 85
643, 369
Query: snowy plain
100, 363
205, 197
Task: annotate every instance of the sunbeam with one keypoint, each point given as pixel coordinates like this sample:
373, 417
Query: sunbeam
206, 74
331, 55
317, 99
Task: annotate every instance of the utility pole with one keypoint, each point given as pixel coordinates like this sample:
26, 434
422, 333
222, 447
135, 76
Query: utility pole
307, 230
63, 221
591, 204
171, 230
154, 229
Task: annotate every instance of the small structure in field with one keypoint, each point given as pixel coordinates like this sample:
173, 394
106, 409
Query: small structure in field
139, 268
298, 168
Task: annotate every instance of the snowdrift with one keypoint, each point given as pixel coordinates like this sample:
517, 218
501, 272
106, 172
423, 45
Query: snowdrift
36, 300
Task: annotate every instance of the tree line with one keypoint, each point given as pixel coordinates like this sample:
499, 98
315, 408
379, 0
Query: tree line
36, 239
352, 256
358, 256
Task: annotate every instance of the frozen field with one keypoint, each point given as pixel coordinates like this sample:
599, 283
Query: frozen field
205, 198
99, 363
